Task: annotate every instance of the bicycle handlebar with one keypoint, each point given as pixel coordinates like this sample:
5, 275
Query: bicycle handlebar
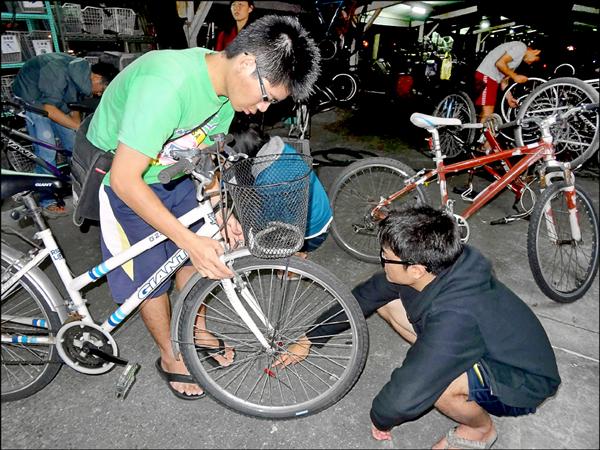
19, 105
198, 160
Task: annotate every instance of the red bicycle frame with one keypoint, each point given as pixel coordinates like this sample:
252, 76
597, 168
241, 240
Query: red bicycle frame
531, 154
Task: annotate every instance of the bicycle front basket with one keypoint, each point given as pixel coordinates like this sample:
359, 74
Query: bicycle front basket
270, 196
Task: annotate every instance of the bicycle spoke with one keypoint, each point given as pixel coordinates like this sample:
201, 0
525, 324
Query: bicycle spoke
292, 308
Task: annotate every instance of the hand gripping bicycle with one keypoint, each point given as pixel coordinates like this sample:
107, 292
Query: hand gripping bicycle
267, 305
562, 242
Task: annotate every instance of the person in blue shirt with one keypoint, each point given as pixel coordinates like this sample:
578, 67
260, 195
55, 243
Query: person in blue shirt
52, 81
254, 143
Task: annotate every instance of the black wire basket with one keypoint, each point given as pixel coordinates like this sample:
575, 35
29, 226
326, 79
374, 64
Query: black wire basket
270, 196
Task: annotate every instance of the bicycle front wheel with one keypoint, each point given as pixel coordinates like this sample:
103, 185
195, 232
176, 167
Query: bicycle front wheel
291, 305
562, 266
27, 367
576, 138
453, 140
357, 190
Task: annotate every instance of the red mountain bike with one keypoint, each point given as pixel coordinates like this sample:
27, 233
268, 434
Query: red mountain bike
562, 241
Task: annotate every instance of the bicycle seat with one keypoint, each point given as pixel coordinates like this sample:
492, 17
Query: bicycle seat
15, 182
431, 122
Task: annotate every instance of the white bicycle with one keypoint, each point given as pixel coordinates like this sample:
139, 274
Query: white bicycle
266, 306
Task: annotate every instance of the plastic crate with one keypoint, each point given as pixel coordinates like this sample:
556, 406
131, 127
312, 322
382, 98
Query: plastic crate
300, 145
7, 81
127, 58
12, 47
92, 59
26, 7
120, 20
93, 20
71, 18
37, 42
111, 57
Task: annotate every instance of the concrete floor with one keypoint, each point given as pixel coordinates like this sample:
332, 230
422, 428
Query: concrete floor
80, 411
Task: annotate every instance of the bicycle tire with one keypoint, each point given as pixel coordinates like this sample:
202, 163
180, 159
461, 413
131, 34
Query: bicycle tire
547, 256
339, 156
327, 49
454, 140
356, 191
575, 139
250, 385
37, 365
344, 87
519, 91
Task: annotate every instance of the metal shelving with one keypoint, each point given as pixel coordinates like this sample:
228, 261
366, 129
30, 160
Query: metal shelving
32, 19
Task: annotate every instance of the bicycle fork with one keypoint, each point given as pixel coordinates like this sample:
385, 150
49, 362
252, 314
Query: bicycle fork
571, 202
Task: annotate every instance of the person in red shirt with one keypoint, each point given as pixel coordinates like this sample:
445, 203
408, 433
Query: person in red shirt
240, 10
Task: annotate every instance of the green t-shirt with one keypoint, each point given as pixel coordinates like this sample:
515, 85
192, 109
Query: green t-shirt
160, 96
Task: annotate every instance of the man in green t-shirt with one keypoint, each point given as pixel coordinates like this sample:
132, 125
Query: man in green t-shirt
154, 104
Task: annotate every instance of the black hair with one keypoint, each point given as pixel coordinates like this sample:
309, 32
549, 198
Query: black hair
285, 53
105, 70
422, 234
249, 138
250, 2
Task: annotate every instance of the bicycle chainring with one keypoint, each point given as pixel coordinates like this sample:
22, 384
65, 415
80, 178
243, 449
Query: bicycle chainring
71, 342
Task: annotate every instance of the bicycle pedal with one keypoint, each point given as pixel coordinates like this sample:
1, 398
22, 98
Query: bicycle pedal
126, 380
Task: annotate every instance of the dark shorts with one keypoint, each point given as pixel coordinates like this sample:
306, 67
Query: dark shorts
125, 228
486, 90
480, 392
314, 242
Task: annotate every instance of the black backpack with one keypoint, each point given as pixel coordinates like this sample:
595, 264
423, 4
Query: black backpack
89, 164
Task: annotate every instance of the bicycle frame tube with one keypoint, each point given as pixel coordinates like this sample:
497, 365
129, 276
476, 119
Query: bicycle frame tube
14, 145
516, 186
34, 140
531, 154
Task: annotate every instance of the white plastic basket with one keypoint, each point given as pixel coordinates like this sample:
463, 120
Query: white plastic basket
12, 47
120, 20
127, 58
37, 42
93, 20
7, 81
92, 59
71, 18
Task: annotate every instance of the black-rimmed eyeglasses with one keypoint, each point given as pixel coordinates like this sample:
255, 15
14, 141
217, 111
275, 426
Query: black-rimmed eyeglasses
384, 261
263, 91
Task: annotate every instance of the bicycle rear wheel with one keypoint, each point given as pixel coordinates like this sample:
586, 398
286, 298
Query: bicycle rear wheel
354, 194
250, 385
562, 267
26, 367
454, 139
576, 138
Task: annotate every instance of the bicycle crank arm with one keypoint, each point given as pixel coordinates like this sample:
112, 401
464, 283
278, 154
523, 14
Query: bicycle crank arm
93, 350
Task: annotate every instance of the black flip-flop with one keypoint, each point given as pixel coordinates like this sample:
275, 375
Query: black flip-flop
177, 378
211, 352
